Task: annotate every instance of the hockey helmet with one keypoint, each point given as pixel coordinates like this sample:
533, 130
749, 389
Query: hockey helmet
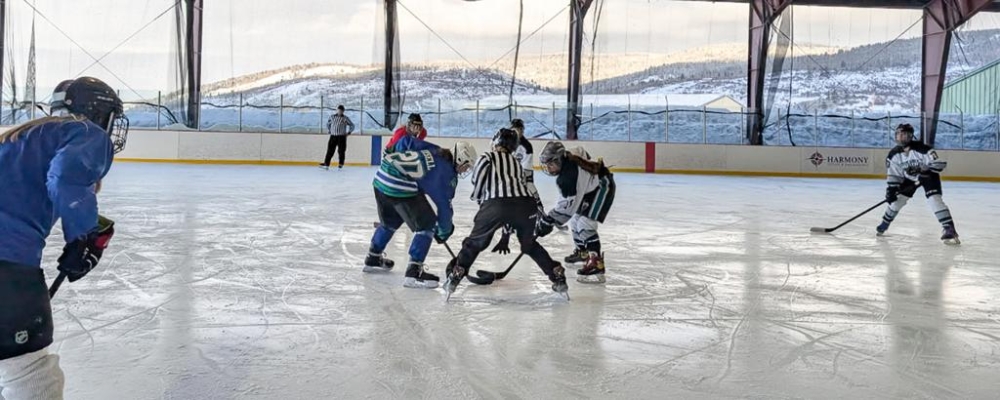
904, 134
506, 138
551, 158
95, 100
465, 156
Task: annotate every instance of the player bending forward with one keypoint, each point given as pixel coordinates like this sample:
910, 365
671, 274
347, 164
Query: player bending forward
52, 169
912, 161
413, 169
587, 190
503, 199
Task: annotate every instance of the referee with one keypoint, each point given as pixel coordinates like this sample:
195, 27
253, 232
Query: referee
338, 126
503, 199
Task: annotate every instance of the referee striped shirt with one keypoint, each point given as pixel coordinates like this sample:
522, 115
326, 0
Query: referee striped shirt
497, 174
339, 125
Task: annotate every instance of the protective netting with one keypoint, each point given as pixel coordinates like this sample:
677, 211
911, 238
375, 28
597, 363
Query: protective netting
651, 70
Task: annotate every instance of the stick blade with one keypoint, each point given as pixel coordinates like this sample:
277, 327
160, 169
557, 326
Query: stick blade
817, 229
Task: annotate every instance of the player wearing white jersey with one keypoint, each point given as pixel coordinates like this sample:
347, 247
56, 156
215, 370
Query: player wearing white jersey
908, 163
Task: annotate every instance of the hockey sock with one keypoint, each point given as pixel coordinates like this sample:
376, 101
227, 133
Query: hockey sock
941, 210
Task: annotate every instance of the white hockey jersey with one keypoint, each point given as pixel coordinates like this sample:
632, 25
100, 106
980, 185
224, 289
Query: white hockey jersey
903, 164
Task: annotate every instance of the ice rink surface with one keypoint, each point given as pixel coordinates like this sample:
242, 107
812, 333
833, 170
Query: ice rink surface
245, 282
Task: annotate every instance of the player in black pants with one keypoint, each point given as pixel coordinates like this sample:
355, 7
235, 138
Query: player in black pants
504, 200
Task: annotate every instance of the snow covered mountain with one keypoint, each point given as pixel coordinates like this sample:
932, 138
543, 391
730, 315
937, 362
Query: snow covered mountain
873, 78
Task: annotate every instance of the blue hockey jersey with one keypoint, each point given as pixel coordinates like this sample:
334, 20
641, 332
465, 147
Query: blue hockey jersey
415, 168
49, 172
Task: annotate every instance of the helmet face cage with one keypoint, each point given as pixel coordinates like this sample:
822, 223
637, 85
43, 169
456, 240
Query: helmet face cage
905, 130
552, 155
118, 129
464, 155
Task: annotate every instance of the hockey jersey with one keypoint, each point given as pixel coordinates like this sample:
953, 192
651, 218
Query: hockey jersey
903, 164
49, 173
415, 168
574, 184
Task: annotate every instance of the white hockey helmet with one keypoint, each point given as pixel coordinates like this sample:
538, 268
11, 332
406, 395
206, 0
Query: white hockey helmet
465, 156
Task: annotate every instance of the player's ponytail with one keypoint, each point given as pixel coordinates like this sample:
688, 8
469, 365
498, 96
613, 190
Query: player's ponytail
15, 133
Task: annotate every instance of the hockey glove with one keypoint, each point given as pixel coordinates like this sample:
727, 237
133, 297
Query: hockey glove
544, 226
891, 194
503, 246
82, 255
441, 236
914, 170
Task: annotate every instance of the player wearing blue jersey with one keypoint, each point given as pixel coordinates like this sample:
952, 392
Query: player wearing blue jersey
51, 169
411, 172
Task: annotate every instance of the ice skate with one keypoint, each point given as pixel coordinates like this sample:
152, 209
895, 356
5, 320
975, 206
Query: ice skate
593, 271
950, 236
377, 263
324, 167
579, 256
558, 279
417, 278
454, 274
881, 228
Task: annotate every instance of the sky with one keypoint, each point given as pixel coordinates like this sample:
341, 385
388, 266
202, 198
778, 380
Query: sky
133, 38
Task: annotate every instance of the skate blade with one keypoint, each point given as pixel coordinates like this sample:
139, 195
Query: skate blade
565, 295
591, 279
952, 242
376, 270
418, 284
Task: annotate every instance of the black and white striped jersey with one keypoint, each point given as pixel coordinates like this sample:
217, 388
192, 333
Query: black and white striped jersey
497, 174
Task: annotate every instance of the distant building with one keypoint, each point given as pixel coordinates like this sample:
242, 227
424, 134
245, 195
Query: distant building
976, 93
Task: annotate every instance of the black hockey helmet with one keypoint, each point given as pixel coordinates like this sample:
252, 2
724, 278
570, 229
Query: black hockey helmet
551, 157
517, 123
93, 99
414, 118
904, 134
506, 138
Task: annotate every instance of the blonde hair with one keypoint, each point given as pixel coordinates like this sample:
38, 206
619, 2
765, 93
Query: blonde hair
15, 133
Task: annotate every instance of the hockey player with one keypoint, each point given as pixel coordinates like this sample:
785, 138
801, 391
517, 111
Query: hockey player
498, 187
912, 161
414, 127
52, 169
587, 190
413, 169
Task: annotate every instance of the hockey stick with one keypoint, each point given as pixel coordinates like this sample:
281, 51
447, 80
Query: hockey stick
496, 276
817, 229
55, 284
474, 279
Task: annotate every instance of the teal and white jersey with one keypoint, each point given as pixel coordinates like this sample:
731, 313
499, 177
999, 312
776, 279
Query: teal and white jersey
399, 172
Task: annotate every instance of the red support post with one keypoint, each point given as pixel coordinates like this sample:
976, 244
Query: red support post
762, 16
941, 17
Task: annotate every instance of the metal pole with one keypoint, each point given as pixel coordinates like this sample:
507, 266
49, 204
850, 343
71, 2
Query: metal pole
743, 125
554, 119
704, 124
888, 116
241, 112
321, 113
281, 114
159, 106
961, 121
815, 127
439, 117
851, 132
477, 118
591, 123
998, 131
666, 120
628, 125
361, 118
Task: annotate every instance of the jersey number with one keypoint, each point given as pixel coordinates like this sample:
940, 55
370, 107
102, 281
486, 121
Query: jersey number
412, 163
